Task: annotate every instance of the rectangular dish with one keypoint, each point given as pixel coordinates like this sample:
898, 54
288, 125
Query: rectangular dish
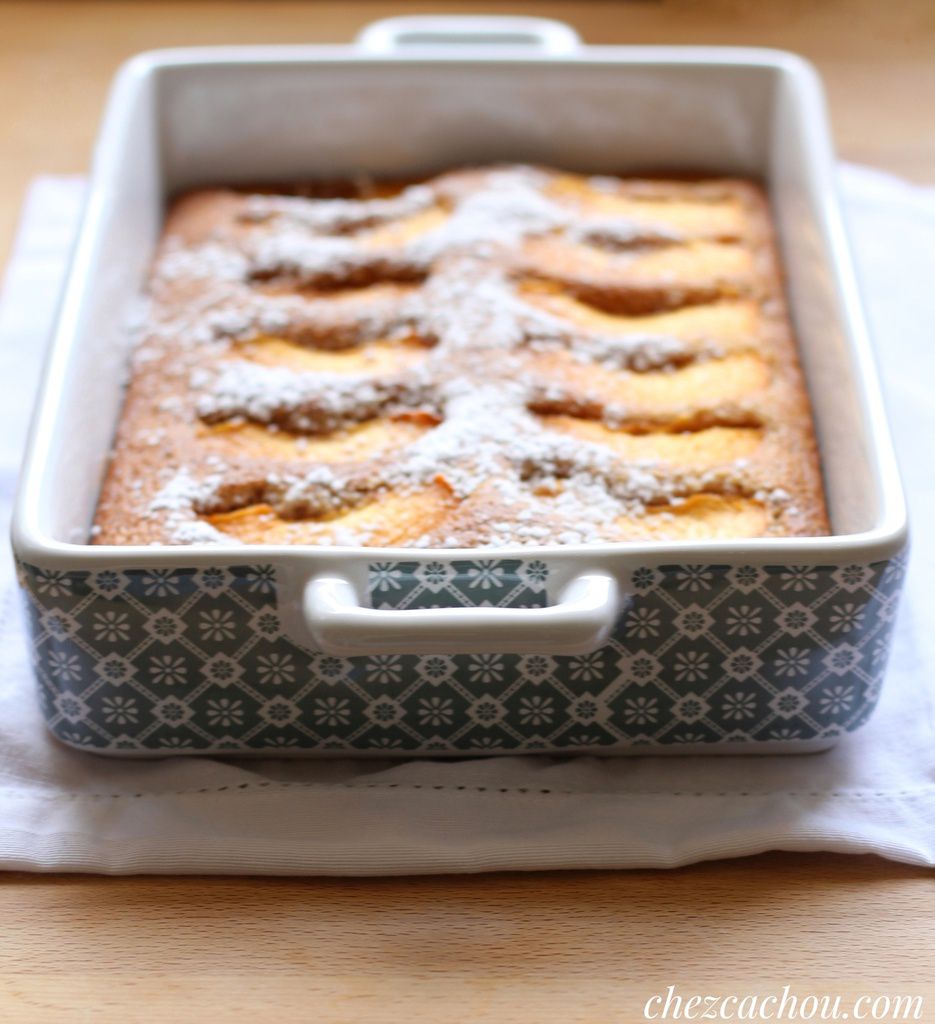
770, 644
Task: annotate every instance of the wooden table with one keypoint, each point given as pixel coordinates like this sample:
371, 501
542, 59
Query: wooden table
531, 948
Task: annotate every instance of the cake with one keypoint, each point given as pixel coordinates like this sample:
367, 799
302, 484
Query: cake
494, 356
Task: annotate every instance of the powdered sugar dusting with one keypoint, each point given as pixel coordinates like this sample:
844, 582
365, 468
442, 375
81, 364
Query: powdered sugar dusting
332, 216
304, 402
178, 499
473, 381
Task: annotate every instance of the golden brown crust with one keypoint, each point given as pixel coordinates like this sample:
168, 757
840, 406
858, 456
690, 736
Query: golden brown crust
495, 356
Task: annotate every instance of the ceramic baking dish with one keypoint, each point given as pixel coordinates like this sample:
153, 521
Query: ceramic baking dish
768, 645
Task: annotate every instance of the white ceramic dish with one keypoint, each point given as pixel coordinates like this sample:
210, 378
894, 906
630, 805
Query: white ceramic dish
412, 96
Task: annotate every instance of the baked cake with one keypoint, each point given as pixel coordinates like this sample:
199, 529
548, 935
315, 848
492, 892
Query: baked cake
495, 356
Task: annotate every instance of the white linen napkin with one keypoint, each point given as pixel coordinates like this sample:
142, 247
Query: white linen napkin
62, 810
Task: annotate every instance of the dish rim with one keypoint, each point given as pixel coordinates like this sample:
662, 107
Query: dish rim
886, 537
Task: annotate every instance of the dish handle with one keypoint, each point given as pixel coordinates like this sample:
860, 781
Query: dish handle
460, 32
580, 621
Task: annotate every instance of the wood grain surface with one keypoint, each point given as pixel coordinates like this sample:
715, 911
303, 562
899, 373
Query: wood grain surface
499, 948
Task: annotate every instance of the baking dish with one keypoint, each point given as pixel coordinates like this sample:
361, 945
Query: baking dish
773, 645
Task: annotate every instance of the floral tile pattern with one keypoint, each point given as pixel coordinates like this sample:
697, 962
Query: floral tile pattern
197, 660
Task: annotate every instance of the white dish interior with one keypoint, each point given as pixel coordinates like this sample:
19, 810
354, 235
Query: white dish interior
224, 116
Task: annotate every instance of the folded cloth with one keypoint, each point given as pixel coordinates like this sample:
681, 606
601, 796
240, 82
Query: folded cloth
62, 810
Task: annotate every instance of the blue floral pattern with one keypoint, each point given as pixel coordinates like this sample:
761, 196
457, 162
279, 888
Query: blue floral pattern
198, 660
